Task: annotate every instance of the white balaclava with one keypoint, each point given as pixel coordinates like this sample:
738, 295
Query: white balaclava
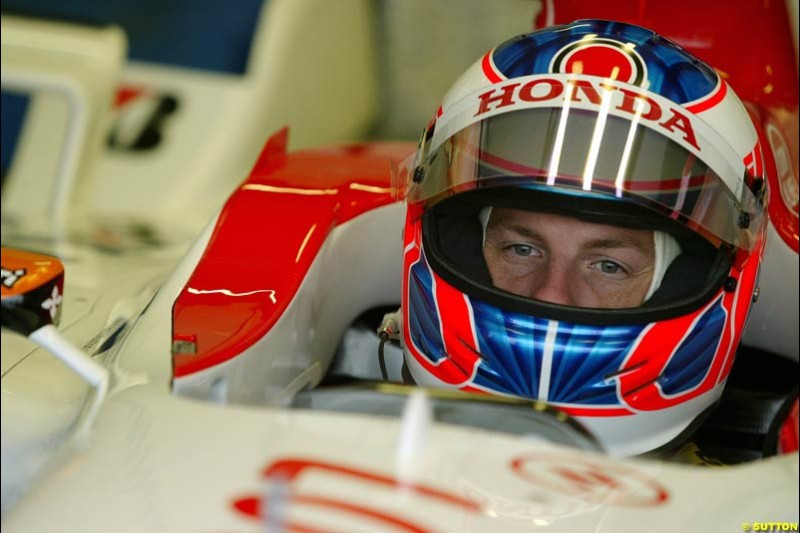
666, 250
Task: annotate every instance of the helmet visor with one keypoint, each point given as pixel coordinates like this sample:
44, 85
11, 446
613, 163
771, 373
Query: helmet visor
589, 153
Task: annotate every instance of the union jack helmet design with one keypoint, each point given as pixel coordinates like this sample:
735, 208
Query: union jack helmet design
606, 123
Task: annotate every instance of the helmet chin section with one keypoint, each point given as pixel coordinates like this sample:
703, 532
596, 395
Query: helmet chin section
621, 431
642, 432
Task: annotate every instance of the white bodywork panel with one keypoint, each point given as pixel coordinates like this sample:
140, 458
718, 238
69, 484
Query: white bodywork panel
160, 463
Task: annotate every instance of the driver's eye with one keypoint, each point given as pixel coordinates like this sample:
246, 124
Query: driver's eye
522, 249
610, 267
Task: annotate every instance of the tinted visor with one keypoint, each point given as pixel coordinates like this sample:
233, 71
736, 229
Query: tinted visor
591, 154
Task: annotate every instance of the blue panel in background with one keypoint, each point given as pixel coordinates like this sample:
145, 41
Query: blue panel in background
14, 107
214, 36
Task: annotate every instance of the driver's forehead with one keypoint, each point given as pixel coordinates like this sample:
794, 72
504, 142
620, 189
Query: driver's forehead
548, 226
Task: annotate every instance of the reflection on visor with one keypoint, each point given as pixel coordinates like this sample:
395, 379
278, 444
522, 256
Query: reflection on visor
588, 153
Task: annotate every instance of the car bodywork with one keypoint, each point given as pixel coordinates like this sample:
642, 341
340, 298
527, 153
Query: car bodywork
230, 430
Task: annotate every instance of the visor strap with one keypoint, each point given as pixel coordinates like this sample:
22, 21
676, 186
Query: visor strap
666, 250
483, 216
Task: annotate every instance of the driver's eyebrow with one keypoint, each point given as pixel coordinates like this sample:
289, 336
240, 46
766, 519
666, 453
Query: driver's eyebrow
522, 231
613, 243
603, 244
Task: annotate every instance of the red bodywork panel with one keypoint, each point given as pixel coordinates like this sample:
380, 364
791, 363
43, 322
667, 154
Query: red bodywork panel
750, 45
267, 236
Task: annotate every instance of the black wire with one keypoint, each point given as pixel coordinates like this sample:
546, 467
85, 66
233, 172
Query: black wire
381, 356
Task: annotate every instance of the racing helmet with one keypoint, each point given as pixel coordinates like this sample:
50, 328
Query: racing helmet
610, 125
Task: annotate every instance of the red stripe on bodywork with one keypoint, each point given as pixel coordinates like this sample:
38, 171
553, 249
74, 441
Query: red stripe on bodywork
291, 471
266, 237
789, 436
126, 94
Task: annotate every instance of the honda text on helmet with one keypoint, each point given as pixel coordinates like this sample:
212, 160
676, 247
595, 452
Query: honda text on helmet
585, 225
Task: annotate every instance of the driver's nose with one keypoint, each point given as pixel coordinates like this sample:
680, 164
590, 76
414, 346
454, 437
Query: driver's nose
554, 284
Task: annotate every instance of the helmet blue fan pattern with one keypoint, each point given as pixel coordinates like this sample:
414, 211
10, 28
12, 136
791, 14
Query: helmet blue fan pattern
583, 360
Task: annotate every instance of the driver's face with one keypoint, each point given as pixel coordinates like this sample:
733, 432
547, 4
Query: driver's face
567, 261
